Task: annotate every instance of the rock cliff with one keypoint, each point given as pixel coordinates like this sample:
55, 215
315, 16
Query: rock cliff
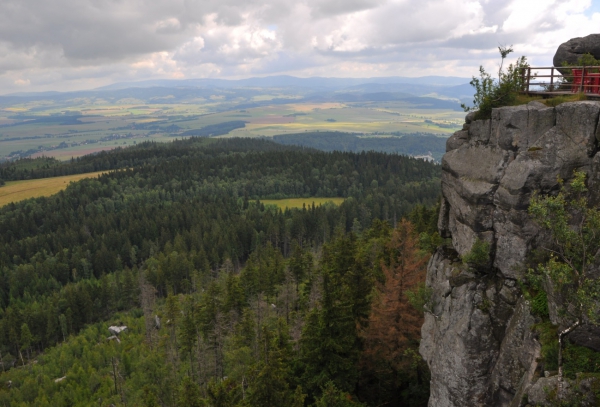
477, 340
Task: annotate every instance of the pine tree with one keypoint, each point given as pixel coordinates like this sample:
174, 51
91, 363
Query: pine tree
332, 397
62, 319
173, 314
26, 339
300, 264
234, 295
394, 324
271, 385
190, 394
329, 344
188, 332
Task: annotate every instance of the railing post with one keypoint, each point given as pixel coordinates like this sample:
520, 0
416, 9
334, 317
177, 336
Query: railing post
584, 79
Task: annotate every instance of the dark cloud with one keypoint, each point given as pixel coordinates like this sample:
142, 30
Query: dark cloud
86, 29
74, 42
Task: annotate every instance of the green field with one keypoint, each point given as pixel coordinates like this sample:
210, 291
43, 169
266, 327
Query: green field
72, 127
300, 202
368, 119
89, 126
15, 191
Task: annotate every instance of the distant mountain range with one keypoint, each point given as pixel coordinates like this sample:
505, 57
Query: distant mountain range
291, 81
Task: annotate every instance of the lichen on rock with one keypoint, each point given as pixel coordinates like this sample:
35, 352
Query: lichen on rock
477, 339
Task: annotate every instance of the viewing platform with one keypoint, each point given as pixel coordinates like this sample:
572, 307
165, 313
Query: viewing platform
553, 81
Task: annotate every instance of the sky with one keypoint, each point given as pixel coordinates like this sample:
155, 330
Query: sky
66, 45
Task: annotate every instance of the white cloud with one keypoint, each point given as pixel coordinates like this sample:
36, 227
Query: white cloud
69, 44
22, 82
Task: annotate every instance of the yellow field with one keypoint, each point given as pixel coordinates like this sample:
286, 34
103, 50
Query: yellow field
307, 107
15, 191
298, 202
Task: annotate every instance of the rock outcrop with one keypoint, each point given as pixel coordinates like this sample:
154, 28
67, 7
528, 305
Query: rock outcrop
571, 50
477, 340
116, 330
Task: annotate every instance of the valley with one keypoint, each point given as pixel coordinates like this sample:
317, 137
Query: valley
74, 124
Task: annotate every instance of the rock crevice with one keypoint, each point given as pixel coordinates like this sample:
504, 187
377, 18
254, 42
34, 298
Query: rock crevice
478, 340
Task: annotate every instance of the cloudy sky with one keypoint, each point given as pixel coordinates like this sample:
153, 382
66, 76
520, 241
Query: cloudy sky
82, 44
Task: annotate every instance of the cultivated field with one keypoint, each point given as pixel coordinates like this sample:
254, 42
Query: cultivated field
15, 191
374, 118
300, 202
35, 129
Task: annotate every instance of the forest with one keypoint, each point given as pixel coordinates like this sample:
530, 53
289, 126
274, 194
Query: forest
215, 129
227, 301
407, 144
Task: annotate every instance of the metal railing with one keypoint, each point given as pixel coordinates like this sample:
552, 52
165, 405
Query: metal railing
560, 81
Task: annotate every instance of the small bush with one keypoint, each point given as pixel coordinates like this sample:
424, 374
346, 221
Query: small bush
584, 60
577, 359
532, 288
485, 305
429, 242
479, 256
490, 93
580, 359
420, 297
548, 338
539, 304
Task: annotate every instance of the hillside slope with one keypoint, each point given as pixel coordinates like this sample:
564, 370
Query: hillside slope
227, 301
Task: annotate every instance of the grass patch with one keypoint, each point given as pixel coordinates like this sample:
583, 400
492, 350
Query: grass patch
580, 359
15, 191
548, 338
523, 99
577, 359
300, 202
553, 101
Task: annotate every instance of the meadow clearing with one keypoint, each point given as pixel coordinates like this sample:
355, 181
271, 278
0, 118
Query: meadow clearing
15, 191
300, 202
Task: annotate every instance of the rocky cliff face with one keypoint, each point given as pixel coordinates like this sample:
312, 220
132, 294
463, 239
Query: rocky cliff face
478, 340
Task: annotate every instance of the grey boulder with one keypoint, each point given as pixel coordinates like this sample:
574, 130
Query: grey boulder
571, 50
116, 330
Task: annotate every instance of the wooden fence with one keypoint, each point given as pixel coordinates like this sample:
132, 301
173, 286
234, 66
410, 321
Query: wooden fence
550, 81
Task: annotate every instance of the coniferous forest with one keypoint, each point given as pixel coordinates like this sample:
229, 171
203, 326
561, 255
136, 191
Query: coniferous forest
227, 301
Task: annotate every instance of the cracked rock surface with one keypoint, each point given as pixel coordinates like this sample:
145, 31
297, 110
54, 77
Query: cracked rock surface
477, 340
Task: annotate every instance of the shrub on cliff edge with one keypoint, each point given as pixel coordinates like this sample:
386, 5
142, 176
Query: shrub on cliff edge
491, 93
